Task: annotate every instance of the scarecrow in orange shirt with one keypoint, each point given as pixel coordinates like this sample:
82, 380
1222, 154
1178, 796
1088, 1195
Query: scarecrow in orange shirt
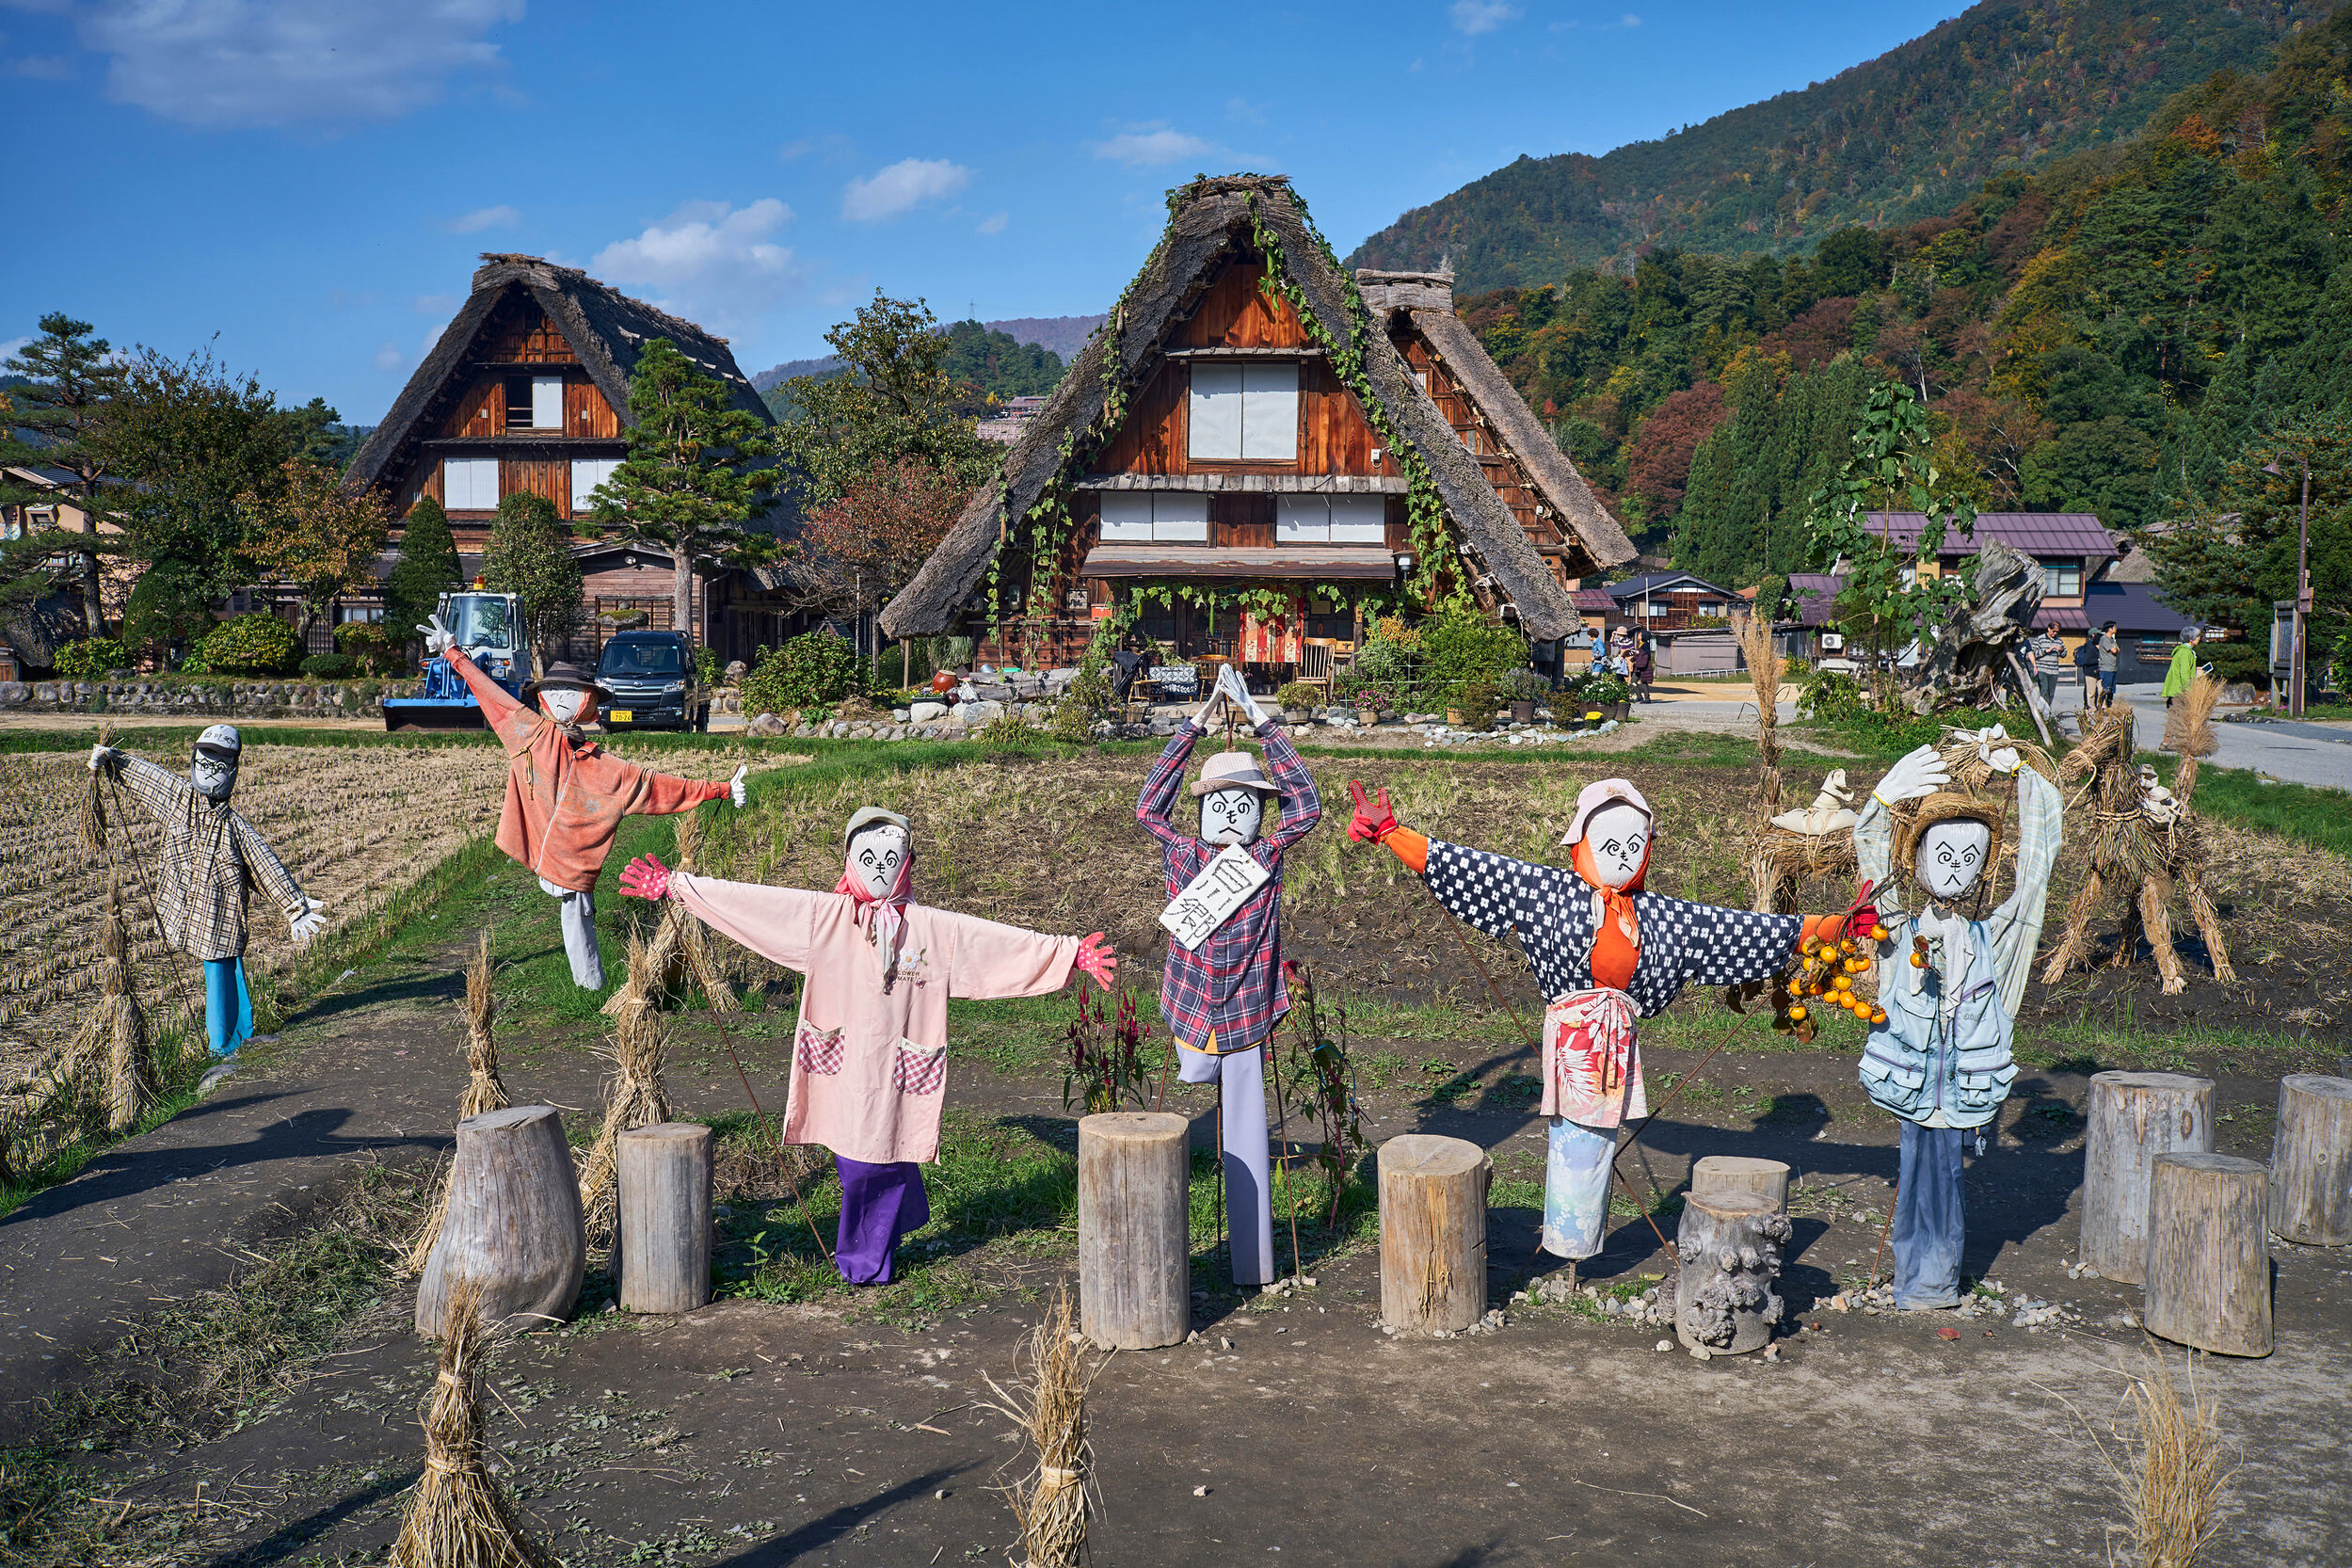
566, 795
1605, 952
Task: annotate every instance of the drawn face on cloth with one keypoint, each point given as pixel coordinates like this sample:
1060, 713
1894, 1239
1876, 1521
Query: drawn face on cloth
1618, 840
1950, 859
1231, 816
213, 767
879, 858
566, 704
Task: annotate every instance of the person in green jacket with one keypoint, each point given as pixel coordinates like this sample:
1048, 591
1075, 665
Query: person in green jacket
2183, 670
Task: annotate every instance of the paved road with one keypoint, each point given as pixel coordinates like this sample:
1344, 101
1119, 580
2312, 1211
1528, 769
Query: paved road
2319, 754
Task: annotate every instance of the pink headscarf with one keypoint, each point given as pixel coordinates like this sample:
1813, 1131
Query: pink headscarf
888, 913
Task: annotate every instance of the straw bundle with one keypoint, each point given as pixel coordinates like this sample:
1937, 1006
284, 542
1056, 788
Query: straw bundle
1780, 863
109, 1064
679, 940
633, 1094
485, 1091
1049, 1502
2188, 730
1754, 635
1970, 770
459, 1516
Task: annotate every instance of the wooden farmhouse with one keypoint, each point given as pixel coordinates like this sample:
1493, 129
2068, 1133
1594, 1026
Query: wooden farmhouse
528, 391
1254, 454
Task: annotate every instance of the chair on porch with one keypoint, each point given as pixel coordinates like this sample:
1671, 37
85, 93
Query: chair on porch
1317, 662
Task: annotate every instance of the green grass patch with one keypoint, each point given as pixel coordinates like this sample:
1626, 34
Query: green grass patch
2308, 815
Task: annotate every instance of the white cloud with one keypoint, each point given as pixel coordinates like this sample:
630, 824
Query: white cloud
442, 305
14, 346
994, 223
288, 62
1472, 17
389, 356
902, 188
713, 262
1630, 20
44, 68
1156, 142
500, 216
1243, 111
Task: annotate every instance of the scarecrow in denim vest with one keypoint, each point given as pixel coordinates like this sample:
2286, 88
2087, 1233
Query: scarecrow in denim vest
1223, 997
1949, 984
1605, 952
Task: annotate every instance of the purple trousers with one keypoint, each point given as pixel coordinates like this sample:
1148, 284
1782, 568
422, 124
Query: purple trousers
879, 1204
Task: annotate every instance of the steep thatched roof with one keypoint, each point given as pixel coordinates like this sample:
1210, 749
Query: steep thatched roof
606, 329
1426, 300
1209, 222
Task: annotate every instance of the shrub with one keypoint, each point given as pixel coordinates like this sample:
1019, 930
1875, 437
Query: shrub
1384, 661
330, 666
1476, 699
86, 657
1008, 731
169, 613
256, 644
707, 666
1299, 694
1831, 697
814, 667
2233, 661
1524, 685
374, 644
1461, 645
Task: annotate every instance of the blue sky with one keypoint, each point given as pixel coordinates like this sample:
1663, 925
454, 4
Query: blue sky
311, 180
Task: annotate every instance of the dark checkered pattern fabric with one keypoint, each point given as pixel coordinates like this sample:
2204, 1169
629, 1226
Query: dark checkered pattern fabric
1233, 985
1550, 911
212, 858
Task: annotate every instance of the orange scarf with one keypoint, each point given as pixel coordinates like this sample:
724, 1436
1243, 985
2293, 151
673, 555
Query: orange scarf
1617, 940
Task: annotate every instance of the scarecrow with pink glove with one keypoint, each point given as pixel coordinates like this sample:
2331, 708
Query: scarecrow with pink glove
869, 1072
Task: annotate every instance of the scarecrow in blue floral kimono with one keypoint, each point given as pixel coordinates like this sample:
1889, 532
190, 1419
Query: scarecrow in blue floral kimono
1605, 952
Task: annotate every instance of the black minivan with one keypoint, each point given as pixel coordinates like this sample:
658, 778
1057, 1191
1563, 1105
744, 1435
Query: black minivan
652, 676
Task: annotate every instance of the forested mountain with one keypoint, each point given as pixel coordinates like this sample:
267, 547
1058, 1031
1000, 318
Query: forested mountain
2007, 84
1061, 337
2118, 332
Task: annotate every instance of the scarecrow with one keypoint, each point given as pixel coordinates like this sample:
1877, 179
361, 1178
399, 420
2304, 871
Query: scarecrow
1222, 995
211, 859
1940, 1060
566, 795
1605, 952
870, 1055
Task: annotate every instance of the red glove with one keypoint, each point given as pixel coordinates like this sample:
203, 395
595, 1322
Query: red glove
1863, 918
1373, 819
1095, 958
645, 877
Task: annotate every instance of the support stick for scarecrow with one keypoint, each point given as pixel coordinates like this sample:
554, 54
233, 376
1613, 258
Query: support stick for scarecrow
1282, 1133
781, 1164
139, 876
1884, 1231
2032, 695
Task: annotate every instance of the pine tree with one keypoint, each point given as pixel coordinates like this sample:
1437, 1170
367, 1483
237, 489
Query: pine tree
529, 555
427, 569
50, 424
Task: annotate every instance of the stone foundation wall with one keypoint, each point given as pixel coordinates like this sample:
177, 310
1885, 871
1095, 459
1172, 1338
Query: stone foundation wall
228, 699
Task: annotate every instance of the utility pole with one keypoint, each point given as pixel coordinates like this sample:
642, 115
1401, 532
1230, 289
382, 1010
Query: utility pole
2302, 585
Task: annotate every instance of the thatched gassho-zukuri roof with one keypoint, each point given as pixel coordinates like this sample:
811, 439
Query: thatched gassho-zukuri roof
606, 329
1427, 299
1211, 220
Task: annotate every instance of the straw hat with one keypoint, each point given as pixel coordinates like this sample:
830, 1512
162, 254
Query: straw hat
565, 677
1948, 806
1233, 770
1606, 791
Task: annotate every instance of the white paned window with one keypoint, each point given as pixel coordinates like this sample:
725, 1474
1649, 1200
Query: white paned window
469, 484
1330, 520
1302, 519
586, 475
1359, 520
546, 403
1248, 412
1127, 516
2062, 576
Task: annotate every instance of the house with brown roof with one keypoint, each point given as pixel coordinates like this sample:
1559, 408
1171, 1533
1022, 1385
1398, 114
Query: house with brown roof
1256, 451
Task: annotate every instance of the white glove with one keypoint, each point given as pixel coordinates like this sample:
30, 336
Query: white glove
309, 923
1238, 693
438, 639
104, 757
1205, 717
1913, 777
735, 786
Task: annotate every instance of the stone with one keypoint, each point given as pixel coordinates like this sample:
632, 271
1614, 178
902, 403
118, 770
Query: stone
990, 691
986, 711
768, 727
926, 712
14, 694
45, 693
1058, 681
736, 670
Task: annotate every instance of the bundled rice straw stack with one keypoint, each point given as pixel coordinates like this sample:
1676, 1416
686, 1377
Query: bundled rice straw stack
459, 1516
1754, 634
1050, 1501
111, 1047
633, 1094
681, 937
485, 1090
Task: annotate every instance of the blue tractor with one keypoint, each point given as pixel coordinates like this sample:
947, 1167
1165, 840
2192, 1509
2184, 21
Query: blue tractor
490, 628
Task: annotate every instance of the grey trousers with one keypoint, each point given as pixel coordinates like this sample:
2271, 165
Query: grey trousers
579, 917
1249, 1195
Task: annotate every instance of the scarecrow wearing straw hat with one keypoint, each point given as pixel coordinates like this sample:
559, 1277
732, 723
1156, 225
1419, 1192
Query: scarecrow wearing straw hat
1605, 952
870, 1055
211, 859
1222, 995
566, 795
1940, 1057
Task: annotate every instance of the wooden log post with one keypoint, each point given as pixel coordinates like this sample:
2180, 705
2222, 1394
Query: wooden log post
2310, 1161
1730, 1243
1739, 1173
662, 1242
514, 1226
1134, 1257
2133, 1117
1432, 1233
2209, 1254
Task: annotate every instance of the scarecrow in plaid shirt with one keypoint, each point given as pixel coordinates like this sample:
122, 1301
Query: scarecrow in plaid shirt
211, 859
1223, 999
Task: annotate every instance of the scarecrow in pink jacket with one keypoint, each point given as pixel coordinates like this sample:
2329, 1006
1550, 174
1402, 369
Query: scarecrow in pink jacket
870, 1055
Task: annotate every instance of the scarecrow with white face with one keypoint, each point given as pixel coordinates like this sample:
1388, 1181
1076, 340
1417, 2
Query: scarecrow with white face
1605, 953
870, 1056
211, 859
566, 795
1225, 997
1949, 987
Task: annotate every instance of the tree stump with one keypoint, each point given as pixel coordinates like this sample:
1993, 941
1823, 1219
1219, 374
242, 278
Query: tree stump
1730, 1244
1134, 1200
514, 1226
2209, 1254
2135, 1117
661, 1245
2310, 1161
1432, 1233
1738, 1173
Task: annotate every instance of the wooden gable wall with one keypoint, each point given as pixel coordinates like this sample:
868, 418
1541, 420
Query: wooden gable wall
1495, 460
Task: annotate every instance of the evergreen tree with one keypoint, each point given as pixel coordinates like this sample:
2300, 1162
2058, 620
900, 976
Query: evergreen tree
896, 399
426, 569
51, 421
529, 555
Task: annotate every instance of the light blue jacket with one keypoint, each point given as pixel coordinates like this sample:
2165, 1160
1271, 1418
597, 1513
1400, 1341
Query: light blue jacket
1941, 1058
